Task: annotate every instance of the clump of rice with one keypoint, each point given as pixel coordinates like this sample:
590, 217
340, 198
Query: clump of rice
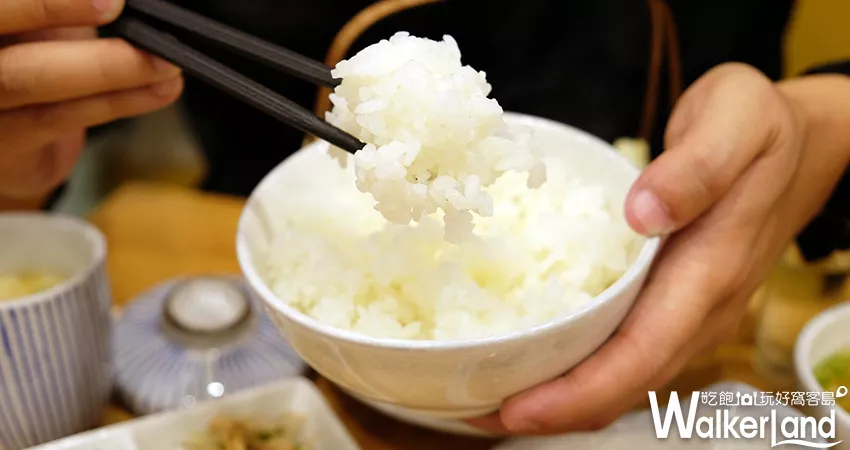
541, 254
435, 140
379, 259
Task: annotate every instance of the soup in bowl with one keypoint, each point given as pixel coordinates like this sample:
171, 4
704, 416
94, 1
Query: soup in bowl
822, 363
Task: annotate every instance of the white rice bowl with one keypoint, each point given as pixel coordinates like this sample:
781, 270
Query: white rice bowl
544, 253
386, 244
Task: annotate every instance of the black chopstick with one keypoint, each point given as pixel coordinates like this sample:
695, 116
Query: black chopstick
269, 54
213, 72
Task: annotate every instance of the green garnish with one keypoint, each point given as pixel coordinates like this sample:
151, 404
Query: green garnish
835, 372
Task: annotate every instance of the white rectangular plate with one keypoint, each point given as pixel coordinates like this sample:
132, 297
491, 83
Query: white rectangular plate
168, 431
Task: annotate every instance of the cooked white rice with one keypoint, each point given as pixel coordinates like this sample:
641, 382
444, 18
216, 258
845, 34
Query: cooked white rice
542, 253
380, 259
435, 141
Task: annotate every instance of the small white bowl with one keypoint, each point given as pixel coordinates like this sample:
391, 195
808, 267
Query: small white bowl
822, 337
455, 379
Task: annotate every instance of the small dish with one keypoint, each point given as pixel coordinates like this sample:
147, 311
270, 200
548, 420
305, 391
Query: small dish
824, 335
168, 431
105, 439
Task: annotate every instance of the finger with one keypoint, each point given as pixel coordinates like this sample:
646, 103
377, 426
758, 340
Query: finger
53, 34
18, 16
708, 148
45, 122
44, 169
48, 72
651, 344
723, 318
60, 157
491, 423
667, 319
590, 421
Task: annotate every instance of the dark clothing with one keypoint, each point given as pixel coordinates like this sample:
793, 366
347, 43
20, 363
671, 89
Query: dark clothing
581, 62
830, 230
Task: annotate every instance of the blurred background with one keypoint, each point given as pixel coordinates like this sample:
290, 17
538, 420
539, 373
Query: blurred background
158, 147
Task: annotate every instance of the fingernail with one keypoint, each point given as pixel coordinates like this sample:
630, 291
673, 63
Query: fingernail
108, 9
166, 88
652, 213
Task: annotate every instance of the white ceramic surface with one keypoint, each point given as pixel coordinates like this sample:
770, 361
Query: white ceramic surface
55, 364
159, 368
824, 335
455, 379
425, 420
168, 431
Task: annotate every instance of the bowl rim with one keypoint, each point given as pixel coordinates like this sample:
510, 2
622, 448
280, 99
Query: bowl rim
802, 350
90, 233
643, 261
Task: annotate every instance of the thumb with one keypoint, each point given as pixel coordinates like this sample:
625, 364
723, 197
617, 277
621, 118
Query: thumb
720, 125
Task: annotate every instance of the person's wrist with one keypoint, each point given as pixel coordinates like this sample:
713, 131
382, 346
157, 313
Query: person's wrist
820, 103
821, 106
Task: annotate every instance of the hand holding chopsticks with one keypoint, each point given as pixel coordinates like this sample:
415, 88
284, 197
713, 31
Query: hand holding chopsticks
133, 28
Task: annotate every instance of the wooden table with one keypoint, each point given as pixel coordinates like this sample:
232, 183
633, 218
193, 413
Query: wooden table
157, 232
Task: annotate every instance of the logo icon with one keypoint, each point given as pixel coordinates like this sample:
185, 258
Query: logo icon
735, 424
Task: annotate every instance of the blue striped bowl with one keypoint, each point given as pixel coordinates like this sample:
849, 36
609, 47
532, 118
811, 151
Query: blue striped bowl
159, 369
54, 345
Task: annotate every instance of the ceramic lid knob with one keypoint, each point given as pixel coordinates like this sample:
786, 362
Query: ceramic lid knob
207, 305
194, 339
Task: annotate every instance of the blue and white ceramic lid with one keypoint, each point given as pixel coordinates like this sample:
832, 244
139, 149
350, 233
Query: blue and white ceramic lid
194, 339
